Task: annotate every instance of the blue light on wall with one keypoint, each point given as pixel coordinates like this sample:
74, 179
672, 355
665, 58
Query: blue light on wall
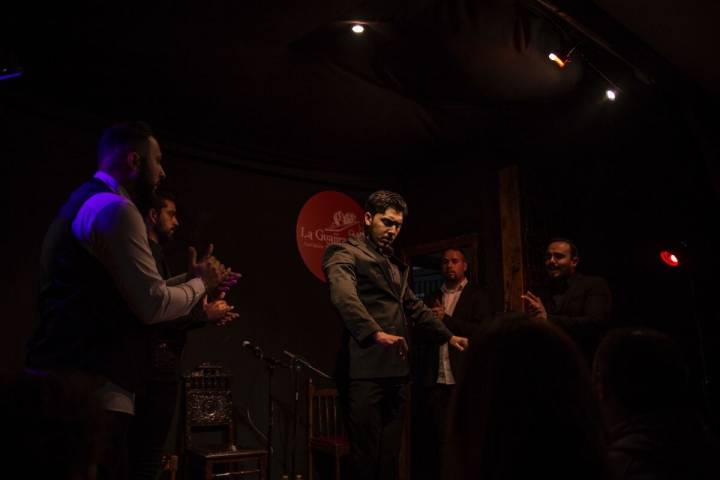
6, 74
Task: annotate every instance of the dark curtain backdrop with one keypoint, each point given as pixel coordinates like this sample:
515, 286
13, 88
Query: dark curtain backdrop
456, 196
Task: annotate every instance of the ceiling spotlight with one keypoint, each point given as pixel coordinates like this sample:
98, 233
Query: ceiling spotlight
558, 61
611, 95
357, 28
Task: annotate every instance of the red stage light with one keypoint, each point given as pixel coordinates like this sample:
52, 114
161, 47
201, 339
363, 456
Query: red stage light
669, 258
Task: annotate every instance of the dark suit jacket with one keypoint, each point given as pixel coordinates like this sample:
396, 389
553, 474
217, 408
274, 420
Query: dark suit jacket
472, 309
583, 310
362, 291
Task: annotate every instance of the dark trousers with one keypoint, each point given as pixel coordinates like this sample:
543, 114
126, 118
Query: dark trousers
154, 412
113, 450
373, 413
430, 411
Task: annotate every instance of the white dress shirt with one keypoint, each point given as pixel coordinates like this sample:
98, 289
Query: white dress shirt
110, 227
449, 300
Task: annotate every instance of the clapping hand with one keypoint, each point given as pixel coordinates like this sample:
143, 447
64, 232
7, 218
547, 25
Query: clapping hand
213, 273
219, 311
536, 309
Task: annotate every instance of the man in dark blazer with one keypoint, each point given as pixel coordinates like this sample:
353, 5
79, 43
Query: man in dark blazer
579, 304
369, 289
161, 347
462, 307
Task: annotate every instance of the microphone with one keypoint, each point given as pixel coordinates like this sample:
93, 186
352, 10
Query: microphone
251, 346
293, 356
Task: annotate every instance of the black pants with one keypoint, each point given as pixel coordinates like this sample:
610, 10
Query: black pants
430, 410
113, 450
155, 404
374, 411
154, 412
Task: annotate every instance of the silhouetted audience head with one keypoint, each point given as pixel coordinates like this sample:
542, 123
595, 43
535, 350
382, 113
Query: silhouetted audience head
639, 370
656, 433
524, 407
51, 425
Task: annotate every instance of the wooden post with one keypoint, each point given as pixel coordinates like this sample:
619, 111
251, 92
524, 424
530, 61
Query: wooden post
511, 237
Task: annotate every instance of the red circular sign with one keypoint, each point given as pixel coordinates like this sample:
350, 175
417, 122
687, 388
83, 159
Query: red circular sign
327, 217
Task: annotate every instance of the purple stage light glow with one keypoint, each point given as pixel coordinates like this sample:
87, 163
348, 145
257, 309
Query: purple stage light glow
10, 75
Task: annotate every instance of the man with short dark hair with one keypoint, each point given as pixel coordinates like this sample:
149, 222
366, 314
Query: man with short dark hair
462, 306
100, 287
369, 288
580, 304
163, 348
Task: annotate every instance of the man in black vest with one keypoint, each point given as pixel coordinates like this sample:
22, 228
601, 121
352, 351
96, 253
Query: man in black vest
462, 306
369, 288
100, 287
579, 304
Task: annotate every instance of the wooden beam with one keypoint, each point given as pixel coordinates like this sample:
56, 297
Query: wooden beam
511, 237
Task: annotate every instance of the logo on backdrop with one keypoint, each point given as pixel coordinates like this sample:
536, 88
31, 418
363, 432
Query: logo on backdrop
327, 217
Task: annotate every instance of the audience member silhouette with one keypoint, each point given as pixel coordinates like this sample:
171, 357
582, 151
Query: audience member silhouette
524, 407
51, 426
655, 433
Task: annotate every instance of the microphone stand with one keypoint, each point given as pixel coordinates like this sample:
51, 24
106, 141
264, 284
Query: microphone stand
270, 364
297, 362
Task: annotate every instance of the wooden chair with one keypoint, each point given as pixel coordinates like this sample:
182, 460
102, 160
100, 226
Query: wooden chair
207, 408
325, 428
169, 467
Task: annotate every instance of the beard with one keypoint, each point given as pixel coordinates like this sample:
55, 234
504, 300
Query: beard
165, 236
144, 189
558, 274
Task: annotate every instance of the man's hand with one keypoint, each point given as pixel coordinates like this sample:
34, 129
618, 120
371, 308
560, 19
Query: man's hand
460, 343
387, 340
438, 310
536, 309
219, 311
209, 269
230, 280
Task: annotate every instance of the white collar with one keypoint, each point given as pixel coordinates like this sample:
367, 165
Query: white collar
457, 289
110, 181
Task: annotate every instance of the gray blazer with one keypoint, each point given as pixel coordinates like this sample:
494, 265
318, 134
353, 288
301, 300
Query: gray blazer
368, 301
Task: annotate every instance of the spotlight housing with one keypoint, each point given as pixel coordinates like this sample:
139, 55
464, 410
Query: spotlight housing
669, 258
557, 60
